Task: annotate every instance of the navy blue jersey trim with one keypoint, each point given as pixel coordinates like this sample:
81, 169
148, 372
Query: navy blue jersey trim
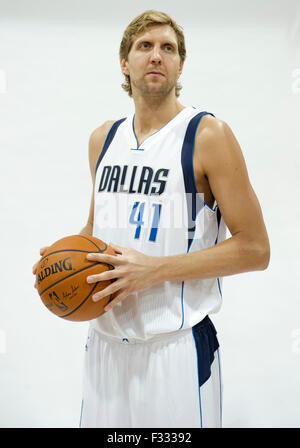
219, 216
220, 382
205, 336
194, 200
108, 140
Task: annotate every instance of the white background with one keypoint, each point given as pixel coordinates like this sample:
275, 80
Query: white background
59, 80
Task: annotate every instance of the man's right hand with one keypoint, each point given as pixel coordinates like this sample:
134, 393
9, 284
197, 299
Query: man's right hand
34, 268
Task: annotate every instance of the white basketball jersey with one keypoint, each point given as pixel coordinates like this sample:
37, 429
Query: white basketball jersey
146, 199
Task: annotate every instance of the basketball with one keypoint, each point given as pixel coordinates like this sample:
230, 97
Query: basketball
61, 278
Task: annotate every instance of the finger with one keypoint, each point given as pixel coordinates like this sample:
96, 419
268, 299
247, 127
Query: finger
34, 268
107, 291
43, 249
123, 294
107, 275
105, 258
116, 248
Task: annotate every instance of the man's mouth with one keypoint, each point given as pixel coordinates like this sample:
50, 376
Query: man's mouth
155, 74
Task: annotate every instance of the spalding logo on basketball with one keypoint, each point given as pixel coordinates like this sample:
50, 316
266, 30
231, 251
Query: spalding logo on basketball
61, 277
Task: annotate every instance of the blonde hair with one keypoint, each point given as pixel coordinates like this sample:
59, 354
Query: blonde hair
139, 25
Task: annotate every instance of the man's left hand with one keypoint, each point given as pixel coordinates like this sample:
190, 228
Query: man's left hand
133, 271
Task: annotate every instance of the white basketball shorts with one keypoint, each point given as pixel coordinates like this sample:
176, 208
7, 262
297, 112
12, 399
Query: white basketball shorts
173, 381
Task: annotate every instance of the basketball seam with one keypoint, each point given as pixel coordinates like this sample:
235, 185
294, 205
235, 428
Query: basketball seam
65, 250
71, 275
86, 238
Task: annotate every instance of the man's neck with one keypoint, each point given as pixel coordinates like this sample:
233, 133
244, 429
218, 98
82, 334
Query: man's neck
152, 113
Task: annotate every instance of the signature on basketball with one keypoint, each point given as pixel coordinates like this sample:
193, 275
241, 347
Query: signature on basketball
57, 301
71, 294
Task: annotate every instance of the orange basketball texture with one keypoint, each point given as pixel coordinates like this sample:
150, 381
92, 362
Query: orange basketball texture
61, 277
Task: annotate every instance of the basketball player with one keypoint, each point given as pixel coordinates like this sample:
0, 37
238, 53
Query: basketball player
168, 180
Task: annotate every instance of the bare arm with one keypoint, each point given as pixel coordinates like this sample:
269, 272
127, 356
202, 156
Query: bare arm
248, 248
96, 142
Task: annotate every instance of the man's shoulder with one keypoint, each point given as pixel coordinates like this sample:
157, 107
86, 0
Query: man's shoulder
211, 126
96, 142
101, 131
214, 141
215, 144
212, 132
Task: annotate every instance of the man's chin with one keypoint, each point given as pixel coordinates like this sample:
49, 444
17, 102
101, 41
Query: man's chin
154, 90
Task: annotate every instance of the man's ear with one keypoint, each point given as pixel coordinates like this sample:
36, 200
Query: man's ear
180, 68
123, 65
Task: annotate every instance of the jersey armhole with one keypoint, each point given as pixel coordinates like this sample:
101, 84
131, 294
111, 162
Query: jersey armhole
195, 202
109, 138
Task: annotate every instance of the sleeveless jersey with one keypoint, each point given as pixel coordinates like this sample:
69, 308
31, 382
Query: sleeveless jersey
146, 199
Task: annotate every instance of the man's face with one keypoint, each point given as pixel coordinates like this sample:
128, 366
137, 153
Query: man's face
155, 50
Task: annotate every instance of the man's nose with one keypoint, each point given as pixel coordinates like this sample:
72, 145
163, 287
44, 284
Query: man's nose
155, 55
